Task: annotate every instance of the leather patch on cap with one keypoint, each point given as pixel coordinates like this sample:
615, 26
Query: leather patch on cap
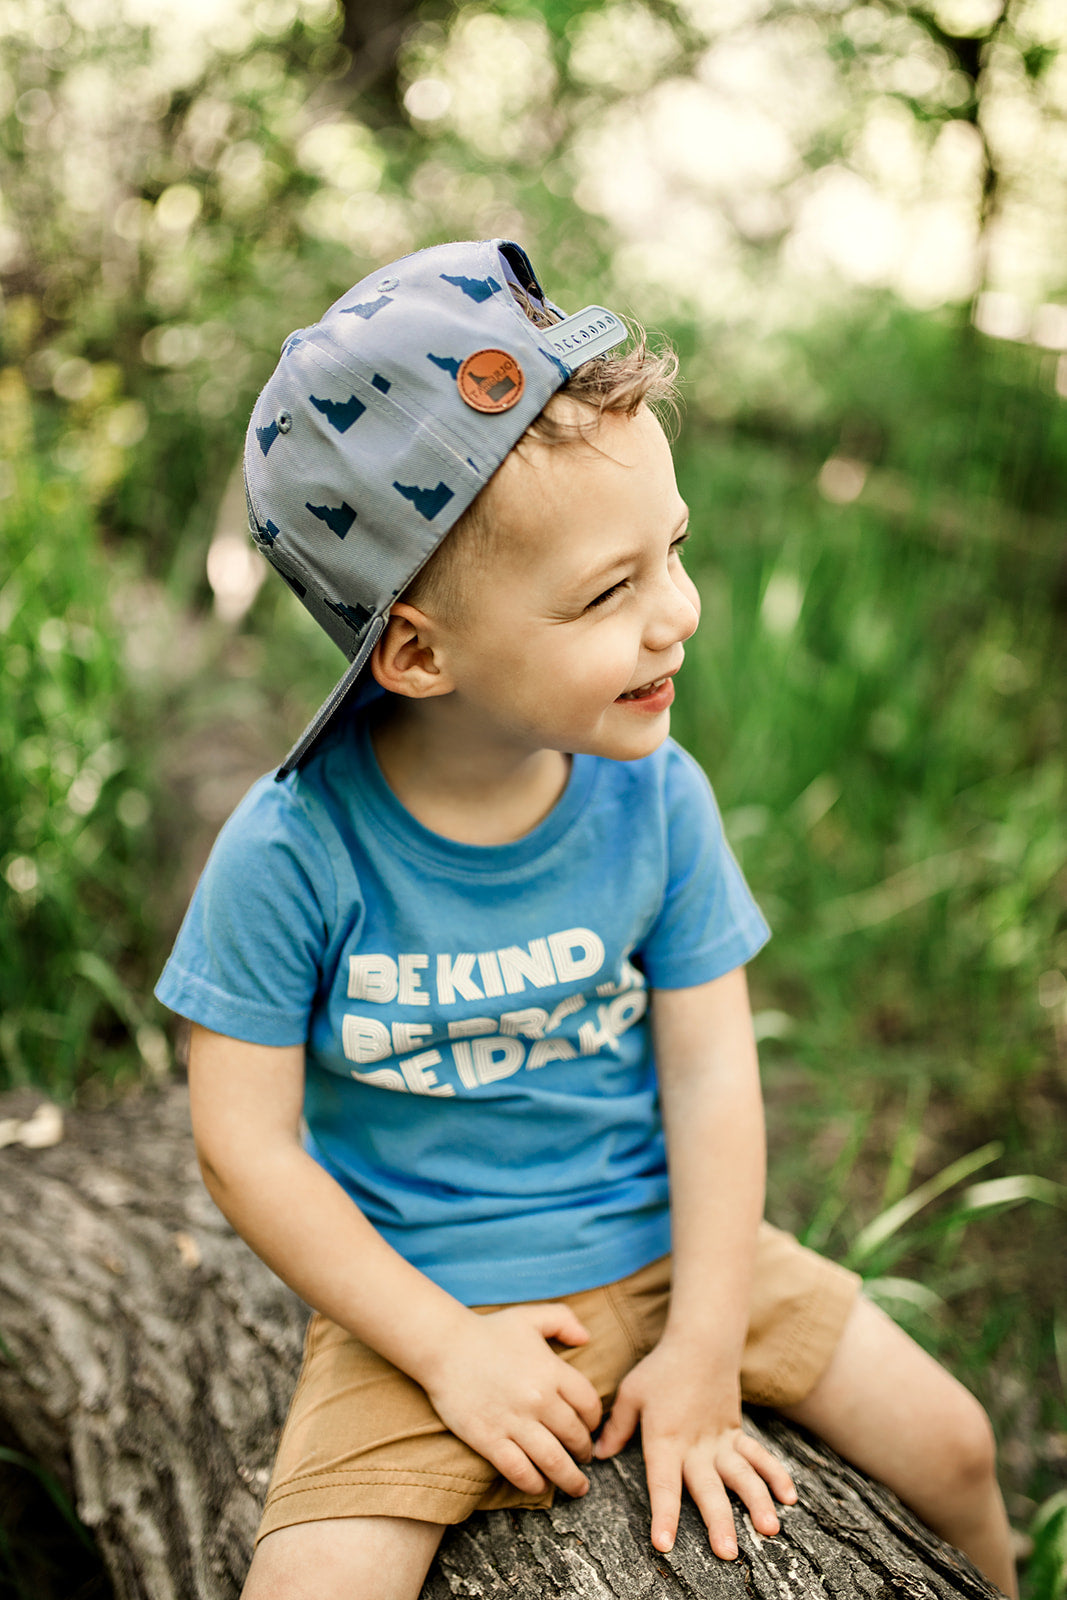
490, 380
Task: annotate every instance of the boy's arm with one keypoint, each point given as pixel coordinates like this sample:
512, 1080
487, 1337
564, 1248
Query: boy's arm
494, 1380
686, 1392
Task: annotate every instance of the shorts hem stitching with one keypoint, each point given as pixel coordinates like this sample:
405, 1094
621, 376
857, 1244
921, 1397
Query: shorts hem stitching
386, 1476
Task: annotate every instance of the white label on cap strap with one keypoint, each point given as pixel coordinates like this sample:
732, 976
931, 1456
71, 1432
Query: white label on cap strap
588, 333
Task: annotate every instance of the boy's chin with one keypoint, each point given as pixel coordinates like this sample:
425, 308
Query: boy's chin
634, 743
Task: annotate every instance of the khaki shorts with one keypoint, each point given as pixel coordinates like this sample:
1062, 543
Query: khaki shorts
362, 1439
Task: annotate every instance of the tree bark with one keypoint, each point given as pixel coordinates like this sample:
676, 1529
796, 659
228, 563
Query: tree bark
147, 1359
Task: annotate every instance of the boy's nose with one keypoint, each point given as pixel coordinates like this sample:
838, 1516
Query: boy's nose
676, 615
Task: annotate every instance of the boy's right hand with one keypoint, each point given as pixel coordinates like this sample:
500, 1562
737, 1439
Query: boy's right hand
506, 1393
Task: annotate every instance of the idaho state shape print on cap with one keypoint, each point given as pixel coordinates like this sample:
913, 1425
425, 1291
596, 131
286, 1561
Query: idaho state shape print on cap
490, 380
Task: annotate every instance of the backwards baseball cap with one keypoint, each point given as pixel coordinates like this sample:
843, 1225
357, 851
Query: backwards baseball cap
384, 420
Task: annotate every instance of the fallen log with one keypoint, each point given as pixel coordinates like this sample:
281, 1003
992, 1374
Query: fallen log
147, 1357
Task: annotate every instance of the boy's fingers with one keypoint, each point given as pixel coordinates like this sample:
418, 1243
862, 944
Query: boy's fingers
714, 1506
545, 1450
751, 1490
665, 1494
618, 1428
769, 1468
580, 1395
557, 1321
570, 1430
515, 1465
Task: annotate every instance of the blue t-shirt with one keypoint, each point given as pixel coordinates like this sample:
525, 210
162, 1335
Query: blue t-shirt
479, 1065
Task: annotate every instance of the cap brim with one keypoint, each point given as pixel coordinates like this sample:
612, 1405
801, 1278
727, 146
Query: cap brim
338, 697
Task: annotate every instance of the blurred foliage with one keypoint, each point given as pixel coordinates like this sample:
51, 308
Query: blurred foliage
181, 186
1048, 1567
877, 687
76, 852
156, 193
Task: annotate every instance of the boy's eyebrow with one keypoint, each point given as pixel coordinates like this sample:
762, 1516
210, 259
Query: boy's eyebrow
621, 559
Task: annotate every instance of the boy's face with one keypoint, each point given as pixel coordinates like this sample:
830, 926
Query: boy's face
571, 628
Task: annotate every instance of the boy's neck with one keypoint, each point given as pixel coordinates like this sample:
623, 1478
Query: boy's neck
462, 781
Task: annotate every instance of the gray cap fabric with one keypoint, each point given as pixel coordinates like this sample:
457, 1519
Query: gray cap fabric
384, 420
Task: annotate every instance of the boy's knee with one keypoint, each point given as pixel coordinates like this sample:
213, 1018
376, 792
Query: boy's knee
980, 1443
967, 1448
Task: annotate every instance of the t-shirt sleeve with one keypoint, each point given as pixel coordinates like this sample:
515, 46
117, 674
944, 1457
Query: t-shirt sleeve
708, 923
248, 957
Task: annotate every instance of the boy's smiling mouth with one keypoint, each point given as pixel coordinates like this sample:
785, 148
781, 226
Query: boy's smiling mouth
649, 691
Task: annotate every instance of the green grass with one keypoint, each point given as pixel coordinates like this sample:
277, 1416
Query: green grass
77, 852
880, 712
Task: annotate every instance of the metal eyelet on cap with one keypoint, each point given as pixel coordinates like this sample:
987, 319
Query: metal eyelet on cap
386, 284
285, 421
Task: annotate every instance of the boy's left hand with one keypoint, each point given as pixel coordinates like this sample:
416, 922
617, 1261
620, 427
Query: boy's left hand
691, 1434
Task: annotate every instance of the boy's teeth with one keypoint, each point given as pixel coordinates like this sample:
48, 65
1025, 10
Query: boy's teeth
646, 688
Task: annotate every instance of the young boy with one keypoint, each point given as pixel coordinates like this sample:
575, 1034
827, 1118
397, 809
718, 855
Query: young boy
467, 976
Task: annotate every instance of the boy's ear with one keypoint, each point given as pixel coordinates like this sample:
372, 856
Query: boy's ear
405, 660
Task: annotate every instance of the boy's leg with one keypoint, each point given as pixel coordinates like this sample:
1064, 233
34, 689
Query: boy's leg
344, 1558
890, 1409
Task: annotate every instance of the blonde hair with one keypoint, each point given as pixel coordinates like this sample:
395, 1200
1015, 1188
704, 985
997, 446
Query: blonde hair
616, 385
612, 383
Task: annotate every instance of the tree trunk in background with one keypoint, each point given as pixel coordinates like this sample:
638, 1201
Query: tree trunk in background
147, 1358
373, 31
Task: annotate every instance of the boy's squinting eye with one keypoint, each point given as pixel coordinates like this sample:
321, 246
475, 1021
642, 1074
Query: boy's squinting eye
608, 594
601, 598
